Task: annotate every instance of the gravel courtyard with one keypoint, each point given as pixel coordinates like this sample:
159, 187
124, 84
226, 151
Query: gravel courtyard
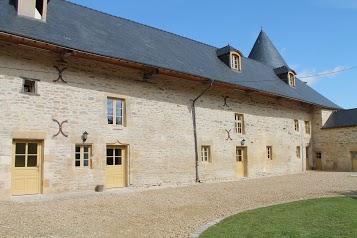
160, 212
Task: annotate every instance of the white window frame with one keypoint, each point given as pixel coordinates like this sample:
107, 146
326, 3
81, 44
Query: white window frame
296, 125
291, 78
269, 152
307, 127
236, 61
112, 111
239, 123
298, 152
81, 154
206, 154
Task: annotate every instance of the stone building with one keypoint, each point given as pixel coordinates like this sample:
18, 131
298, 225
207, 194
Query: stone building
91, 99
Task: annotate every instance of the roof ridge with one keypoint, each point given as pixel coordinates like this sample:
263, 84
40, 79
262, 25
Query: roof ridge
139, 23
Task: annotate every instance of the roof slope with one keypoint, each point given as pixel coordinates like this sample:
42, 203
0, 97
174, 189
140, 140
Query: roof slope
265, 52
342, 118
80, 28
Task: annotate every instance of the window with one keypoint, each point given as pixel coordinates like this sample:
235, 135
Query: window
307, 127
29, 86
291, 79
82, 156
296, 125
318, 155
239, 120
26, 154
205, 154
235, 62
115, 111
269, 152
114, 156
239, 154
354, 154
298, 153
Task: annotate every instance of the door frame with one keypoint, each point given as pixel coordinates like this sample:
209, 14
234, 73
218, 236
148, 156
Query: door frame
39, 166
125, 161
245, 160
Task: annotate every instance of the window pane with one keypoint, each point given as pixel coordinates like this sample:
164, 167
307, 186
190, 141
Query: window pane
110, 119
32, 148
78, 163
118, 152
85, 162
78, 156
20, 148
85, 156
85, 148
78, 149
118, 112
109, 152
109, 160
19, 161
32, 161
119, 121
119, 104
110, 103
117, 160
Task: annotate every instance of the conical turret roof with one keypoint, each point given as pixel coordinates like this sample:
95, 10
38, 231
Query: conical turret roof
265, 52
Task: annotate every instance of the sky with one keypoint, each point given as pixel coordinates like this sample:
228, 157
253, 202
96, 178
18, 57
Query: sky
313, 36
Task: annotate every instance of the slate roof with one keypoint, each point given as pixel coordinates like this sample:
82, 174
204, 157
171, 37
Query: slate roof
265, 52
342, 118
83, 29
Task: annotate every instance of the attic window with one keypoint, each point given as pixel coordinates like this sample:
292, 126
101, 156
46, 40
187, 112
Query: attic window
235, 61
291, 77
36, 9
29, 86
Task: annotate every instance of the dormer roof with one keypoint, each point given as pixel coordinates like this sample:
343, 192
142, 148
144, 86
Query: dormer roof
226, 50
265, 52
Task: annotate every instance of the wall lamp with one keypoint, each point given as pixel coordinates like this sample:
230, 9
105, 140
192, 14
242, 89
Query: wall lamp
84, 136
242, 142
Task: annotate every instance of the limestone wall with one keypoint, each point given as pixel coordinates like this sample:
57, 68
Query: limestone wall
158, 131
335, 144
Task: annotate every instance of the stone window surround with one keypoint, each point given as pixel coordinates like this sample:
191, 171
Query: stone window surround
123, 111
239, 123
206, 154
90, 154
31, 81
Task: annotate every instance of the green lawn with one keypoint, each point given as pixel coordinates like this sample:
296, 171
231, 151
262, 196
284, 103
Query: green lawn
325, 217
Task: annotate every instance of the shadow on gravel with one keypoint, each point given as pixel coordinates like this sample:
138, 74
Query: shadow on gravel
351, 193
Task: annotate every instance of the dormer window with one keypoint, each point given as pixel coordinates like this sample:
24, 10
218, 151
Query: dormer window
291, 77
231, 57
235, 61
36, 9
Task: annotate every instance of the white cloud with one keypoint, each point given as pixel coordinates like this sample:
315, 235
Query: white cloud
326, 74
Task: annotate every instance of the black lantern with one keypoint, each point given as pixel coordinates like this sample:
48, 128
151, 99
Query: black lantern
84, 136
242, 142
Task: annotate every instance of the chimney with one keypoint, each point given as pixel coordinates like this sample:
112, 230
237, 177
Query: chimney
36, 9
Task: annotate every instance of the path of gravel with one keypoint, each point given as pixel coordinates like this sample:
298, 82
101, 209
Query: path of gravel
166, 212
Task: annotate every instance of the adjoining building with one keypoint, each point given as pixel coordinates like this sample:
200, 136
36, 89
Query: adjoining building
91, 100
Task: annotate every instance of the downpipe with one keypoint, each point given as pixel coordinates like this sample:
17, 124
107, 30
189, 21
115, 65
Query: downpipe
195, 131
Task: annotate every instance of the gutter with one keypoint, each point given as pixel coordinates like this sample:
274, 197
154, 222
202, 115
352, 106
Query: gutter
195, 131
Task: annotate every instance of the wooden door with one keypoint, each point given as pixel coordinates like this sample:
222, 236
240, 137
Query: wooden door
241, 161
318, 164
354, 160
26, 168
115, 167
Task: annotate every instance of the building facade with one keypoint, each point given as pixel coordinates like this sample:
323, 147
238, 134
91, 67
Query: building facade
78, 114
